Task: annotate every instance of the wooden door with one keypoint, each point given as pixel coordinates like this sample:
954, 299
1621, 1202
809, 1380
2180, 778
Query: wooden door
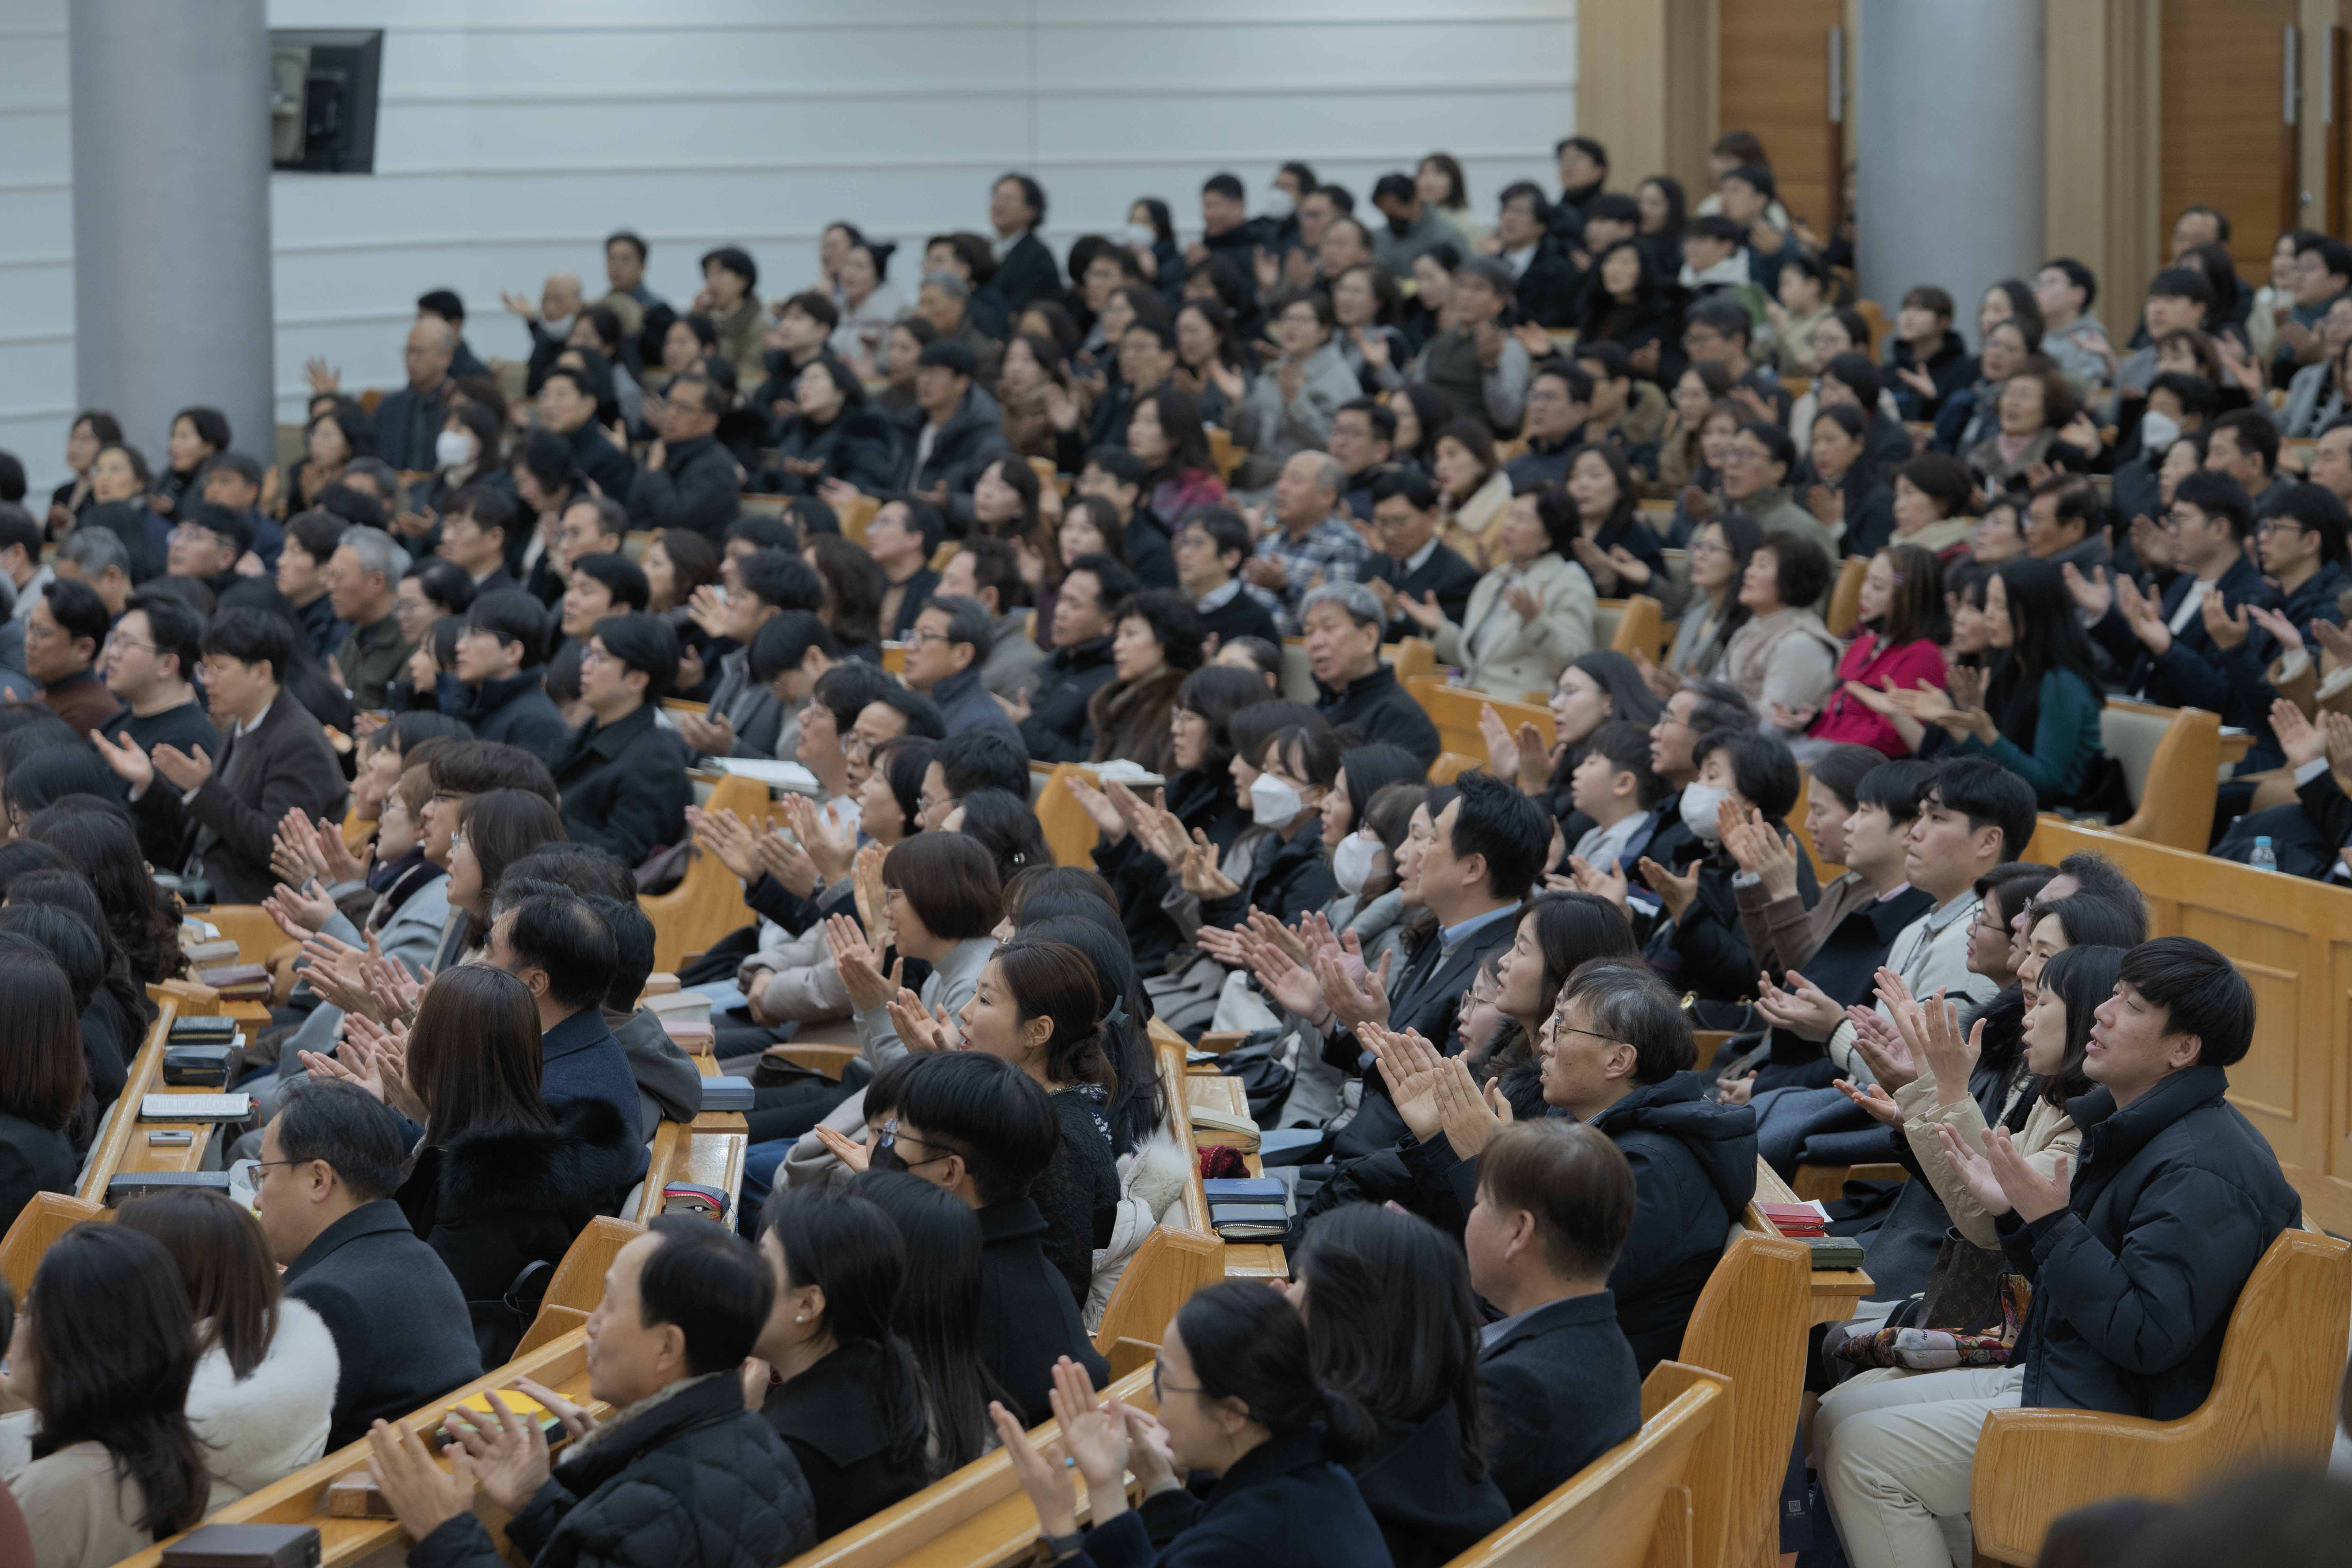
1775, 82
2229, 139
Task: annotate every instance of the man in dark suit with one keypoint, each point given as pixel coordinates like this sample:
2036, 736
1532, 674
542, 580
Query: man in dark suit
1343, 623
624, 775
2160, 644
475, 528
562, 947
1554, 1203
984, 1130
1412, 563
330, 1161
1547, 282
1024, 267
63, 634
407, 422
1487, 849
225, 810
1210, 550
957, 430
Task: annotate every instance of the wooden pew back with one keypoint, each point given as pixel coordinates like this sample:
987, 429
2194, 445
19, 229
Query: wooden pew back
45, 1217
1750, 1326
1455, 711
2292, 939
1845, 599
2273, 1402
2172, 759
707, 902
579, 1281
1069, 832
1629, 1508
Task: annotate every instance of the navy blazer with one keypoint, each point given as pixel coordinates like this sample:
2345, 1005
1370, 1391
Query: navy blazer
1425, 996
580, 1059
2188, 674
399, 1321
1561, 1390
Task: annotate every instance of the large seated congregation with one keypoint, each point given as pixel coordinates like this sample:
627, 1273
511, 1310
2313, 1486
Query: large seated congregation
1108, 602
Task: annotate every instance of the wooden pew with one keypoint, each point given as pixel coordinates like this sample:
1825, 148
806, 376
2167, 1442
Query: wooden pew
1408, 657
707, 902
1069, 832
662, 1166
1170, 1264
1834, 1290
579, 1281
45, 1217
1451, 765
2273, 1402
1638, 1505
1632, 626
1845, 599
1750, 1326
1455, 711
977, 1518
2292, 939
2171, 760
125, 1146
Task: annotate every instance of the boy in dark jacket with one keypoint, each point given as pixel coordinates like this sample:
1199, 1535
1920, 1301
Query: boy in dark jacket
680, 1476
2135, 1257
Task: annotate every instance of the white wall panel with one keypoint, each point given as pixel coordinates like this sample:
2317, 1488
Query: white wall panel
514, 134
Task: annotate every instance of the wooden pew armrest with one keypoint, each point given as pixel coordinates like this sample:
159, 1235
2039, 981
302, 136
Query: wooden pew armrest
2034, 1465
1217, 1042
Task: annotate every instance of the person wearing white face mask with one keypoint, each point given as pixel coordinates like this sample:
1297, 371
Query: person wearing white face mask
548, 322
467, 451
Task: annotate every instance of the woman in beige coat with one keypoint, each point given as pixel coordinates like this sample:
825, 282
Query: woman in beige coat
1530, 615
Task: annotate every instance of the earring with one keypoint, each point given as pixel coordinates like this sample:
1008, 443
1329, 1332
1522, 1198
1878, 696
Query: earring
801, 1318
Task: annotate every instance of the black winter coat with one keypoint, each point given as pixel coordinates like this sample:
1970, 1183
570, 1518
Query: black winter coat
838, 1424
1694, 1172
32, 1160
1027, 1318
1379, 706
624, 785
1429, 1507
687, 1478
517, 711
1288, 881
860, 448
697, 487
2176, 1198
495, 1204
1056, 729
1281, 1505
1199, 799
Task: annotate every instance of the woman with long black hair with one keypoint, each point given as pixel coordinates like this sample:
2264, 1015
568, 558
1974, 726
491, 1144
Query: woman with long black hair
2038, 714
936, 1312
1238, 1399
1390, 1320
1559, 931
100, 1454
502, 1182
830, 1372
1629, 306
102, 846
1166, 431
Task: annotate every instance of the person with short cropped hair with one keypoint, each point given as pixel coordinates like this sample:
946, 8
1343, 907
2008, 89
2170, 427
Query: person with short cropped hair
689, 480
562, 950
1212, 546
2160, 642
331, 1159
1556, 1203
363, 581
624, 776
948, 642
499, 656
2136, 1253
680, 1476
1053, 722
981, 1127
151, 664
225, 810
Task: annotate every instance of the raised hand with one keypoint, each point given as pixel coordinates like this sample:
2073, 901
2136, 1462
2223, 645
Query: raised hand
852, 1155
131, 765
1874, 1100
859, 968
1098, 807
2283, 630
1973, 1171
2093, 594
832, 850
298, 912
1043, 1476
1201, 878
1427, 614
1676, 893
919, 1030
1803, 1008
723, 833
1607, 884
501, 1451
788, 862
1469, 1117
2334, 640
2303, 741
1526, 602
1933, 1033
421, 1494
1354, 998
2147, 623
1094, 1436
873, 898
2227, 629
1411, 1073
1502, 750
179, 769
1880, 1048
2338, 730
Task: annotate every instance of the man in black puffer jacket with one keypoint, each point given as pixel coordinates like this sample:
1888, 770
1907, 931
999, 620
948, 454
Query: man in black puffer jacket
681, 1476
2136, 1258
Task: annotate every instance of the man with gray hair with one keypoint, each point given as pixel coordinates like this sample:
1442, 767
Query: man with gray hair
363, 580
409, 420
1343, 622
96, 556
1312, 541
945, 301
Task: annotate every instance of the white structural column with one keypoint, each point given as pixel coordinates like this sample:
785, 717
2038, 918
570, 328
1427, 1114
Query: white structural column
171, 204
1950, 156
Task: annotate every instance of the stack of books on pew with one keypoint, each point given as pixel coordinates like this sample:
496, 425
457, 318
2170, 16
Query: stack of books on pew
1809, 1222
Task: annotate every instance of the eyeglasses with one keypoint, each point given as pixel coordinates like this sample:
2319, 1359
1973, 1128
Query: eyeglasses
889, 1138
1588, 1034
2270, 525
1160, 1389
920, 636
116, 639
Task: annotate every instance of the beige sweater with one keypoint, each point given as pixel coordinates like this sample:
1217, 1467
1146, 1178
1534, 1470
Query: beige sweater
81, 1513
2049, 1133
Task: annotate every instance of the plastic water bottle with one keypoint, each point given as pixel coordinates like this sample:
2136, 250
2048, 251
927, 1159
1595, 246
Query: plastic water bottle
2263, 859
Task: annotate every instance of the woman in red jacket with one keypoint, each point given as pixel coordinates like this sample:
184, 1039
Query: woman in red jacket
1904, 625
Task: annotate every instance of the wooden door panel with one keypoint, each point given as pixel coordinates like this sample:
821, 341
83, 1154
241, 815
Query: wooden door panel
1776, 82
2226, 141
